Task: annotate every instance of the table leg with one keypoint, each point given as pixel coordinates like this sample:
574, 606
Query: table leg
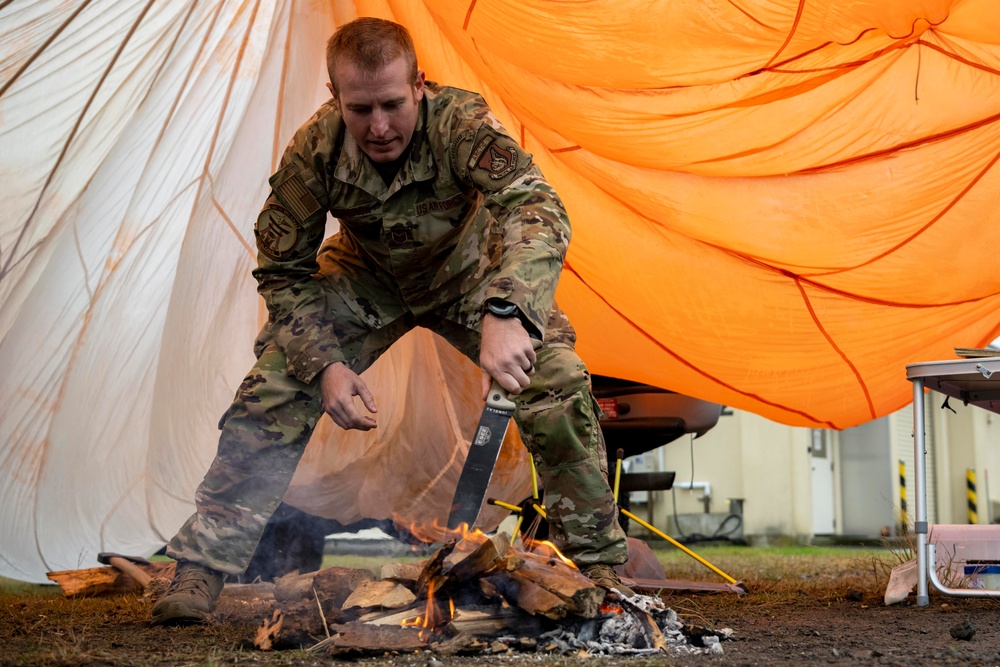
920, 491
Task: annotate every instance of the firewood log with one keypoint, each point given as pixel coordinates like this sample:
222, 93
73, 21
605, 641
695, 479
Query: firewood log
583, 598
336, 584
529, 596
461, 566
386, 594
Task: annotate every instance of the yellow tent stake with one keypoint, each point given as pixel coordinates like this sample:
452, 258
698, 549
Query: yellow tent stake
534, 478
618, 473
506, 506
517, 528
540, 510
678, 545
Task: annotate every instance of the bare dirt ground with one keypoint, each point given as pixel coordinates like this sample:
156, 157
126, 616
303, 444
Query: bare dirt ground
802, 608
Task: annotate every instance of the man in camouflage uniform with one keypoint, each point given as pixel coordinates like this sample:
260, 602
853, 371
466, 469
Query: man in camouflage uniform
445, 223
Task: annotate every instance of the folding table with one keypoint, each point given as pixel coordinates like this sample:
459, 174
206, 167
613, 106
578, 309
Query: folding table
976, 382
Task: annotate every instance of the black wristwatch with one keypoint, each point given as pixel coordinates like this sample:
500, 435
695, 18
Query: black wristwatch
502, 308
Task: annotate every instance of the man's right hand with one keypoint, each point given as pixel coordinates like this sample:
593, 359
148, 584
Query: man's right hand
338, 387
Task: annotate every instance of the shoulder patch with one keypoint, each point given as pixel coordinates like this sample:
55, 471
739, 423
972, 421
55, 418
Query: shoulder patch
276, 230
291, 189
489, 158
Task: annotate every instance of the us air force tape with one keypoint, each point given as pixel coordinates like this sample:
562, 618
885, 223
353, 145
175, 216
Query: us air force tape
489, 158
291, 189
276, 230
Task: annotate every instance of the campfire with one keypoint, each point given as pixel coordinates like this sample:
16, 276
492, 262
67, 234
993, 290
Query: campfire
476, 594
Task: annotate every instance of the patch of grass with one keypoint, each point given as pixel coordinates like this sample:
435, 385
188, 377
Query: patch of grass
372, 563
14, 587
763, 563
774, 576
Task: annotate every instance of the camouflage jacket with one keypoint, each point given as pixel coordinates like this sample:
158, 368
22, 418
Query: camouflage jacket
467, 205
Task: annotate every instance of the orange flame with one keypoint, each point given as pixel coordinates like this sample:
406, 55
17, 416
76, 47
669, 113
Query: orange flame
436, 532
433, 617
546, 548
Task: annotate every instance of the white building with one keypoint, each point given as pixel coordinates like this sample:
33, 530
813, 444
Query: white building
801, 483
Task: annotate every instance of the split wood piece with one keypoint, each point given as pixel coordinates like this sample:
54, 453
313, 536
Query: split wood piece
386, 594
92, 581
408, 615
361, 639
529, 596
405, 573
583, 598
334, 583
430, 576
477, 620
462, 565
105, 580
486, 621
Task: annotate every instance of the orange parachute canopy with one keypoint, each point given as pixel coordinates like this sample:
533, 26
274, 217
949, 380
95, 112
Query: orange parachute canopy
776, 206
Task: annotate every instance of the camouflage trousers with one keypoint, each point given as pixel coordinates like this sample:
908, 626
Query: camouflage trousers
265, 432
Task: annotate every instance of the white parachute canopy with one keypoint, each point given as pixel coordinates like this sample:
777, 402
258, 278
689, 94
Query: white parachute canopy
136, 140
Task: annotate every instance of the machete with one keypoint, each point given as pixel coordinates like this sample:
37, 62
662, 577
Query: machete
482, 458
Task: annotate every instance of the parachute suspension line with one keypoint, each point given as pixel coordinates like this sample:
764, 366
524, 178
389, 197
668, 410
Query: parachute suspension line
206, 170
836, 348
168, 117
166, 58
751, 16
916, 79
468, 15
791, 33
228, 220
229, 92
276, 144
45, 45
10, 263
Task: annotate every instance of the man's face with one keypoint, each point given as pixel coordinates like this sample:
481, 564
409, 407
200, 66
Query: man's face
380, 110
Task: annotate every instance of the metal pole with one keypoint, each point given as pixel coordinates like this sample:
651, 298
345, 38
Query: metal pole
920, 491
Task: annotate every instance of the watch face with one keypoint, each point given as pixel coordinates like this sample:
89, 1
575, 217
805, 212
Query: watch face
502, 309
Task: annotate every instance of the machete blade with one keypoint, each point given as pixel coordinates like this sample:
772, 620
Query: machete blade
483, 453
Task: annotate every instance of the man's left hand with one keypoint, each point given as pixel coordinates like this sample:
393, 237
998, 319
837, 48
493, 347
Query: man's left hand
506, 354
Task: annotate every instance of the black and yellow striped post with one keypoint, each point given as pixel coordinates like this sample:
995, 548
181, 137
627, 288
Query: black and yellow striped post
904, 519
970, 493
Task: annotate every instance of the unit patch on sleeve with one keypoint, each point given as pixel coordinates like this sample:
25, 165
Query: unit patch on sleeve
276, 231
491, 159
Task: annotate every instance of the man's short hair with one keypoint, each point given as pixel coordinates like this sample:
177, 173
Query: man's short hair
370, 44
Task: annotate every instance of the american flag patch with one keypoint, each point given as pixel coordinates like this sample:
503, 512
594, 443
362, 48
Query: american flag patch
294, 194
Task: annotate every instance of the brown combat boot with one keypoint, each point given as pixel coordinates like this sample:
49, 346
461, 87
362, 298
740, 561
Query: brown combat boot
604, 575
191, 596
